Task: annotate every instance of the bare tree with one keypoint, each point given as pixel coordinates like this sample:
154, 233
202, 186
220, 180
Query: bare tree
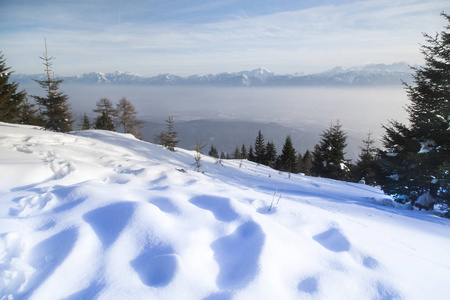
126, 114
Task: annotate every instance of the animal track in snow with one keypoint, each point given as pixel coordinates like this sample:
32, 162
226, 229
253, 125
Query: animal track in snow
219, 206
238, 255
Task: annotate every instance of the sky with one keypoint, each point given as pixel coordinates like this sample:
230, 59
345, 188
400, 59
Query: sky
202, 37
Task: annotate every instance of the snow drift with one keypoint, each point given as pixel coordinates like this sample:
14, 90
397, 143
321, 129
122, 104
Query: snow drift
101, 215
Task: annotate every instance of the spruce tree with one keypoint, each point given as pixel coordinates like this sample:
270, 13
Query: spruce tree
287, 160
244, 153
213, 152
271, 155
237, 153
260, 148
30, 115
366, 167
251, 155
10, 99
85, 123
57, 111
170, 141
306, 165
126, 114
417, 156
328, 155
105, 115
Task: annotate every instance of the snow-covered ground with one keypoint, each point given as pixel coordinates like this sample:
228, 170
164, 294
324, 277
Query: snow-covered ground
101, 215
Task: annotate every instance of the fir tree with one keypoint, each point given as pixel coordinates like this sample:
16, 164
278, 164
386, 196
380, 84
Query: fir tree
366, 167
328, 155
260, 148
85, 123
57, 111
270, 155
306, 165
105, 114
10, 99
126, 115
417, 156
288, 158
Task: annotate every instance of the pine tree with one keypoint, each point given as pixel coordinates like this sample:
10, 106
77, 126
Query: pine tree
170, 141
328, 155
57, 111
10, 99
105, 114
366, 167
260, 148
417, 156
270, 155
213, 152
85, 123
288, 158
126, 115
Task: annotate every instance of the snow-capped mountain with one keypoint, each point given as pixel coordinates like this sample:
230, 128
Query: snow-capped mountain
373, 74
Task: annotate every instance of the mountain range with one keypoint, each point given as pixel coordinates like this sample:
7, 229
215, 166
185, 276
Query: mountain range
368, 75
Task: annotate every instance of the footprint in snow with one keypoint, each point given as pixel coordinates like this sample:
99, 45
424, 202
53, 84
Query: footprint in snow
308, 285
165, 205
156, 266
109, 221
238, 256
219, 206
47, 256
333, 239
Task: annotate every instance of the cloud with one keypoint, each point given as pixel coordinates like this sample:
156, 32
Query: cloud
99, 38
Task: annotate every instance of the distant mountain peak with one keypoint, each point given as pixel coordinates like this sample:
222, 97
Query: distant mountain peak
371, 74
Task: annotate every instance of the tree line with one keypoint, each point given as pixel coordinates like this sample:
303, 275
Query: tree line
415, 161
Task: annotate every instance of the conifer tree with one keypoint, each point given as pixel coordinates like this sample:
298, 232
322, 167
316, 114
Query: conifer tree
57, 111
260, 148
244, 153
10, 99
237, 153
85, 123
417, 157
270, 155
288, 158
126, 115
170, 141
366, 167
328, 155
306, 165
105, 114
30, 115
251, 155
213, 152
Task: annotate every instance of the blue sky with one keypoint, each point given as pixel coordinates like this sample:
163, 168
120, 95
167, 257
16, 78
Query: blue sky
201, 37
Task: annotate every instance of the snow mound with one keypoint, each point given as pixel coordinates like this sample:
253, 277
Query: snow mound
101, 215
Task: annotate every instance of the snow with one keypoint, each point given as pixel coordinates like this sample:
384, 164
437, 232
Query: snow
101, 215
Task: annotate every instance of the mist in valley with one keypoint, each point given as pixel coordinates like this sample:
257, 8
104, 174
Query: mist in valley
230, 116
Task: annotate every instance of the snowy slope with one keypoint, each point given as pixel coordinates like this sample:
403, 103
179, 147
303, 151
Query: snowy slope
101, 215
